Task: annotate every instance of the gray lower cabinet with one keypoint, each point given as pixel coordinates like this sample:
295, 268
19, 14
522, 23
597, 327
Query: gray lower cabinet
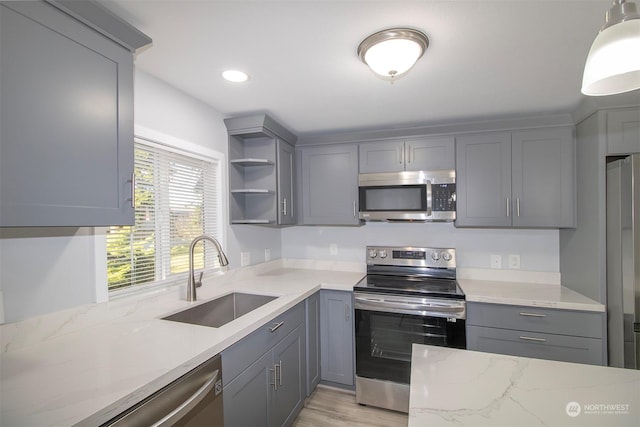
337, 337
521, 179
425, 153
553, 334
313, 341
66, 139
264, 373
329, 184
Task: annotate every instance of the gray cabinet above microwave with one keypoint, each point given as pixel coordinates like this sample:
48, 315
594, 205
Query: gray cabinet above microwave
424, 153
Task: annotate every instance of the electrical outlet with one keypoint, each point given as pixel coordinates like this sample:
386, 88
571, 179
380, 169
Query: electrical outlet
333, 249
245, 259
514, 261
267, 255
496, 261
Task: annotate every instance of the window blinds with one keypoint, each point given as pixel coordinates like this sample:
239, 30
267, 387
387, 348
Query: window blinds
176, 200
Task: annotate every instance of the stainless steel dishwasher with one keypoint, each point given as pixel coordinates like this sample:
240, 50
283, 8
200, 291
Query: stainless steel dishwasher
193, 400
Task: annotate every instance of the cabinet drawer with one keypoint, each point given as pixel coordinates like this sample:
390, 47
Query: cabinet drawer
544, 320
240, 355
536, 345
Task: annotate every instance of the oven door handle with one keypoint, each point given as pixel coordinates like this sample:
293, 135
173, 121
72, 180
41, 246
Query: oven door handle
379, 304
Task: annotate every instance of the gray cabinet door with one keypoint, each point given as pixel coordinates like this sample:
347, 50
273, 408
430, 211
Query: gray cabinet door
623, 131
483, 178
336, 337
382, 156
313, 342
289, 392
330, 185
425, 153
66, 141
543, 178
246, 399
285, 167
430, 154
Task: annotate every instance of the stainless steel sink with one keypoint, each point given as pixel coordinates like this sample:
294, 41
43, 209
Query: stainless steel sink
220, 311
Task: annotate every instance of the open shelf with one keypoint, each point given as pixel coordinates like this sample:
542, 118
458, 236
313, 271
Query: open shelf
252, 162
252, 221
252, 191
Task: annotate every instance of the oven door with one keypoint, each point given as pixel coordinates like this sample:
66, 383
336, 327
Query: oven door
386, 327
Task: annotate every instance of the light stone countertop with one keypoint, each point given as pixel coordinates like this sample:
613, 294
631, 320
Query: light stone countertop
451, 387
527, 294
88, 364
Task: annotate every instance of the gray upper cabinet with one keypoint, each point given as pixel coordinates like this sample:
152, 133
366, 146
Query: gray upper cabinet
261, 171
623, 131
426, 153
66, 102
520, 179
483, 180
329, 184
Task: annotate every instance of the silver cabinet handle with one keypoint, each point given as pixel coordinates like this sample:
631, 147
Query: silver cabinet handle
533, 314
533, 339
400, 154
133, 189
275, 377
276, 326
347, 312
518, 206
284, 206
508, 206
410, 154
354, 209
182, 410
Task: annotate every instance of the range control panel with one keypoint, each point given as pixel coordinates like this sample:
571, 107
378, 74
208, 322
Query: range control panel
411, 256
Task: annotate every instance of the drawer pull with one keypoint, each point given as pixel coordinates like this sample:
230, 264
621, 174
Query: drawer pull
533, 339
533, 315
276, 326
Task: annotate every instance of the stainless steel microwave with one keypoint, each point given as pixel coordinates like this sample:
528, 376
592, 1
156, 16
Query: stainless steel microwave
408, 196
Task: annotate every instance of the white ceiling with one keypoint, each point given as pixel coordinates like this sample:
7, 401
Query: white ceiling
486, 59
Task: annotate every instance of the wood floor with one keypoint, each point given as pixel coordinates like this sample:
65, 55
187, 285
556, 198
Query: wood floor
332, 407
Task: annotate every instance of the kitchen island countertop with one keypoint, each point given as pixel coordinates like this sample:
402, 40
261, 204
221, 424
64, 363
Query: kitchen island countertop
451, 387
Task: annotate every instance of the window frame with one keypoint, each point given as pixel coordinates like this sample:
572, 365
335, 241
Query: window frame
182, 147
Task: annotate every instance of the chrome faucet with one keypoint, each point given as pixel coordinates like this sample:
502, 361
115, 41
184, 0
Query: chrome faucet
193, 283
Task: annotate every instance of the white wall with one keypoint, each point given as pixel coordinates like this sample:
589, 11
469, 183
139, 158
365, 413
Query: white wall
538, 249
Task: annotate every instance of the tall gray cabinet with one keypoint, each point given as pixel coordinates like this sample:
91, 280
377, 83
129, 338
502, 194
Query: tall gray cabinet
261, 171
516, 179
66, 115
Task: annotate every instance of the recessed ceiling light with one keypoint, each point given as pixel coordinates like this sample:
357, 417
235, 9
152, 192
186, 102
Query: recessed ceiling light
235, 76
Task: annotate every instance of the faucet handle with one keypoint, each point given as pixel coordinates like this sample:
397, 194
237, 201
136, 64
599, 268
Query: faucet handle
199, 281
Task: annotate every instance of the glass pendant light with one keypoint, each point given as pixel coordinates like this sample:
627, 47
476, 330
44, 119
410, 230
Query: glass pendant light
613, 63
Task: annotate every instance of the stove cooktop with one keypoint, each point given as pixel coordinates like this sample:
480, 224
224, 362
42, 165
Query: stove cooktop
418, 286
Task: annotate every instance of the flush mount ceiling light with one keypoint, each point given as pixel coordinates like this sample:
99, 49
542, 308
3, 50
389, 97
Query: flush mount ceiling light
391, 53
613, 63
235, 76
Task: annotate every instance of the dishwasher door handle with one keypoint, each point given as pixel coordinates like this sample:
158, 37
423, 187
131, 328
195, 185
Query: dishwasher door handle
186, 406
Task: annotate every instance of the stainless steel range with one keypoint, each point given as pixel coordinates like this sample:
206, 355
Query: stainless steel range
409, 295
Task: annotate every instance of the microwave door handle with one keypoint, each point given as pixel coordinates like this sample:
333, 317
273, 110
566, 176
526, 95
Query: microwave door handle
429, 199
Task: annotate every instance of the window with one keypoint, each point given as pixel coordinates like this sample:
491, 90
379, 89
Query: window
177, 198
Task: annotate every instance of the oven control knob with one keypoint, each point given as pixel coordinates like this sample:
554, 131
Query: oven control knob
435, 256
372, 253
382, 253
446, 256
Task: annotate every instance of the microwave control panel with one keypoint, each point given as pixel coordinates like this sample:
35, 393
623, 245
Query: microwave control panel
443, 197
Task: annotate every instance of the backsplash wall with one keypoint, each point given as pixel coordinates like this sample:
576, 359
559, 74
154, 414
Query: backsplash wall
538, 249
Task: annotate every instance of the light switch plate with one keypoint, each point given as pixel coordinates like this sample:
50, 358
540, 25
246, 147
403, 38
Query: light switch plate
245, 259
514, 261
333, 249
267, 255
